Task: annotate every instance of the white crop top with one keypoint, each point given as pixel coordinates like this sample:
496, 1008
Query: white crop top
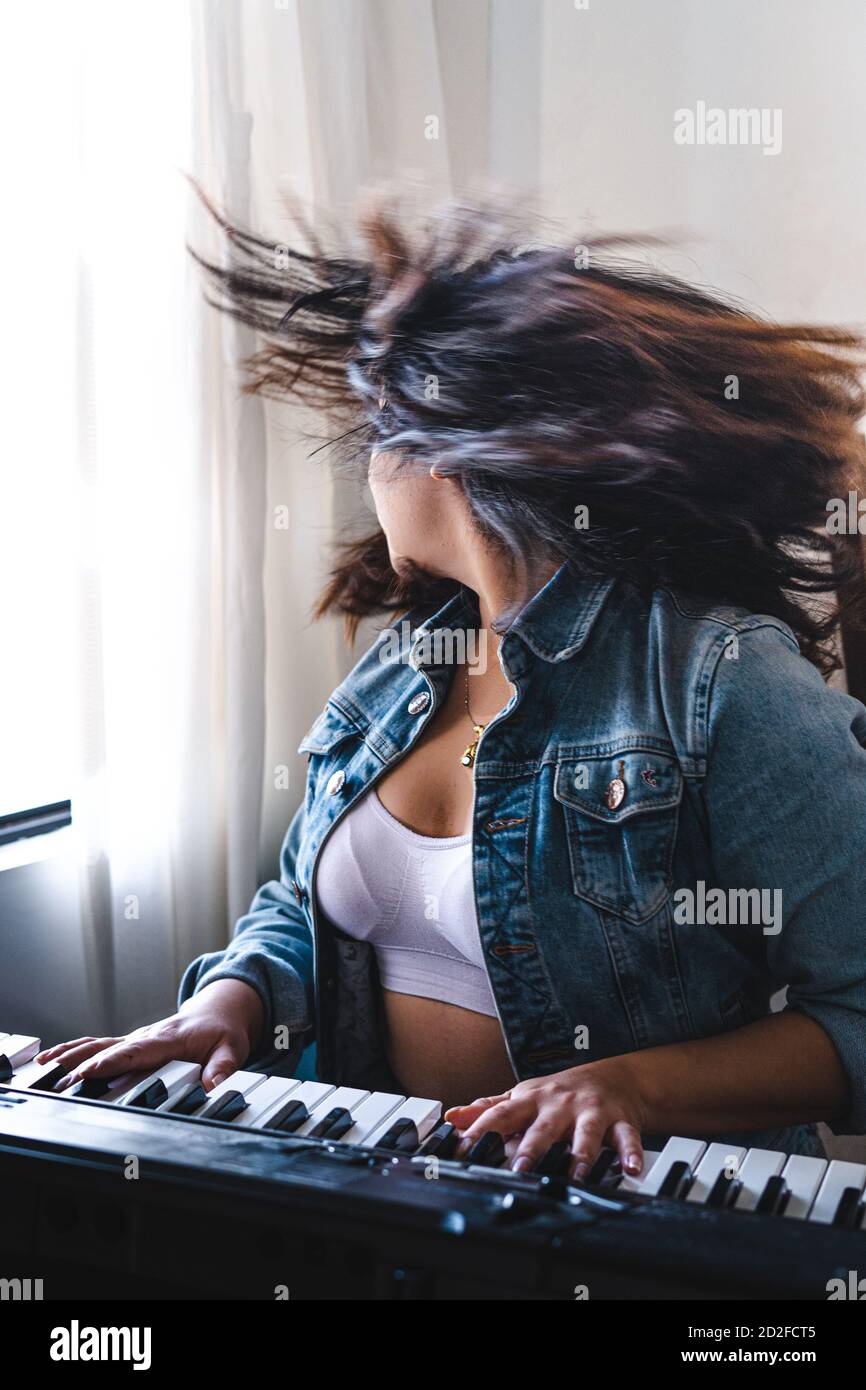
411, 896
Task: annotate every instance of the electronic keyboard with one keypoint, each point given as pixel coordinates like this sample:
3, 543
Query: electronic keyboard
270, 1187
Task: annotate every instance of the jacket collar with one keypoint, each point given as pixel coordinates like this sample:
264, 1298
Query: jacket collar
557, 621
554, 624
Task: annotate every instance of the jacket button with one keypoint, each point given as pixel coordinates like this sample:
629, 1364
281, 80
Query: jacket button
419, 702
335, 783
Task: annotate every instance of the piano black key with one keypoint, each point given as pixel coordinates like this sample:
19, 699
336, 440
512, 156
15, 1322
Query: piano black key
91, 1088
191, 1101
290, 1118
169, 1082
270, 1100
753, 1174
442, 1143
848, 1213
424, 1114
677, 1180
50, 1080
402, 1137
155, 1094
286, 1111
36, 1076
840, 1174
774, 1197
803, 1175
225, 1107
722, 1192
371, 1114
335, 1124
556, 1163
717, 1159
602, 1167
488, 1151
111, 1088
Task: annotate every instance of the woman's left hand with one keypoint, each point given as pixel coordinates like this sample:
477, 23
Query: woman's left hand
593, 1106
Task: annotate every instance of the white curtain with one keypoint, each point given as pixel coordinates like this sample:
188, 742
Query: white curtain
194, 611
170, 613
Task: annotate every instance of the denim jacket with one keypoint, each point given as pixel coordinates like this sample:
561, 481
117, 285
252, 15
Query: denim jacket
669, 826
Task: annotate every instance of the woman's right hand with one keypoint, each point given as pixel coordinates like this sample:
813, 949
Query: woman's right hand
219, 1027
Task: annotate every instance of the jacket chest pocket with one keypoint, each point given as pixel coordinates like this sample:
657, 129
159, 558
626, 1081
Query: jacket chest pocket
621, 809
330, 729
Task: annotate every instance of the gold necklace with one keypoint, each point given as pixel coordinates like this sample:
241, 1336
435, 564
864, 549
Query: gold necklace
469, 756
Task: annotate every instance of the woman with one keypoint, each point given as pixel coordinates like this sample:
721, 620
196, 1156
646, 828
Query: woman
561, 843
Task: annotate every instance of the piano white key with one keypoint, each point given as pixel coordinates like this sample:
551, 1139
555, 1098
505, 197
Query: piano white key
244, 1082
370, 1116
309, 1093
346, 1097
16, 1049
424, 1113
185, 1093
802, 1176
28, 1077
650, 1158
116, 1087
266, 1098
719, 1158
174, 1076
756, 1168
676, 1150
839, 1175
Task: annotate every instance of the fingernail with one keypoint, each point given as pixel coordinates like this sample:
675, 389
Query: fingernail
521, 1164
581, 1170
633, 1163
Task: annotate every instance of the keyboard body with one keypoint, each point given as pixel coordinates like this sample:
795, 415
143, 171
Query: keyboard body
108, 1201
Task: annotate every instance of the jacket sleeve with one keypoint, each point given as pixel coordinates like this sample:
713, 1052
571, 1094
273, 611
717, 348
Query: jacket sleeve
786, 802
272, 950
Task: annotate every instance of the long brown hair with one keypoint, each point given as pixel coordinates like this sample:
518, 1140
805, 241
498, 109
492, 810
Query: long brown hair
704, 441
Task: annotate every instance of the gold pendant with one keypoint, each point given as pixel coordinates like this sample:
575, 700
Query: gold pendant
469, 756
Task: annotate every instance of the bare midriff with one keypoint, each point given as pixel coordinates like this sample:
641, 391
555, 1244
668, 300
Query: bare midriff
436, 1049
443, 1051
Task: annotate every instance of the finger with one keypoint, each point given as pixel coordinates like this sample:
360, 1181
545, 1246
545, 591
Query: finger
627, 1142
71, 1059
127, 1055
506, 1117
589, 1131
462, 1116
544, 1131
223, 1061
48, 1053
512, 1144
